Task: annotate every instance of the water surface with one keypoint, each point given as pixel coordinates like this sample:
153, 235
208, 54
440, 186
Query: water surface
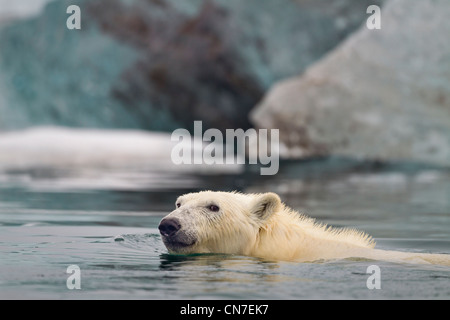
106, 223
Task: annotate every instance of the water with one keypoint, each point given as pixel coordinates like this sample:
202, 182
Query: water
105, 221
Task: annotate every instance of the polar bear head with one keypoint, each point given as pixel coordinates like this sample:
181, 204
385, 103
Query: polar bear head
217, 222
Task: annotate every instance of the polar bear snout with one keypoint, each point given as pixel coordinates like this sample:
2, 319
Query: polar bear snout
169, 226
176, 238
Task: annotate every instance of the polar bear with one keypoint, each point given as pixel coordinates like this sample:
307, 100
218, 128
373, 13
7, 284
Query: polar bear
260, 225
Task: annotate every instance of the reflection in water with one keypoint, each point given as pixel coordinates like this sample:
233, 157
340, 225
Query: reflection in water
111, 233
224, 269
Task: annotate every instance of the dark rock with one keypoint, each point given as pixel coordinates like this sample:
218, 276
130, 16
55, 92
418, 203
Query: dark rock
161, 64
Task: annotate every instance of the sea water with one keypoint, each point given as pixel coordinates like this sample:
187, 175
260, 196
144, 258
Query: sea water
105, 222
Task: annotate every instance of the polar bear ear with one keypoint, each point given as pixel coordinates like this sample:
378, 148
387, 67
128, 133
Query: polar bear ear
265, 205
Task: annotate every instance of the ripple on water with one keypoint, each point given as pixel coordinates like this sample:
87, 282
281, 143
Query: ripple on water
147, 242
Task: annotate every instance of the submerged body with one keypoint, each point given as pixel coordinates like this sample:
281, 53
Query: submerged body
260, 225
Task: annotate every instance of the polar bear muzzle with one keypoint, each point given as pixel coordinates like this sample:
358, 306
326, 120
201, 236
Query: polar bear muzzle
173, 236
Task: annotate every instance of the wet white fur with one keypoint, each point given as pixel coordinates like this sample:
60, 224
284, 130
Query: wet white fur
261, 225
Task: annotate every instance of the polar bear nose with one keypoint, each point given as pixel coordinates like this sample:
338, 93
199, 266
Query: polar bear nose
169, 226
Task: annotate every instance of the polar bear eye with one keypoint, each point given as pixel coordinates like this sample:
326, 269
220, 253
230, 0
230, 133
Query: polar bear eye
213, 207
178, 205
